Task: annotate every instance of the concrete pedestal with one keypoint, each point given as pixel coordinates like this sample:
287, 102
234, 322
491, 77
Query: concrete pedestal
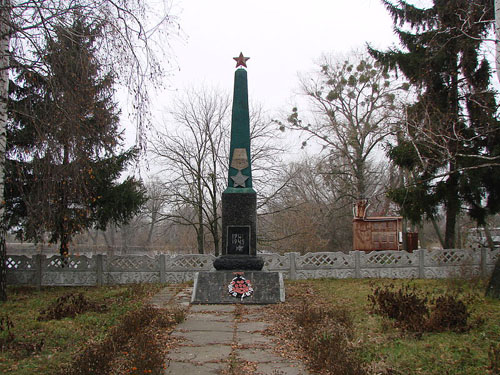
214, 287
238, 262
239, 222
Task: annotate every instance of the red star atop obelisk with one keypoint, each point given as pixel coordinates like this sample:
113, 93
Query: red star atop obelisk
241, 60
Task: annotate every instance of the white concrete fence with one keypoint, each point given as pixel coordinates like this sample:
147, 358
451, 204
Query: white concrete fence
39, 270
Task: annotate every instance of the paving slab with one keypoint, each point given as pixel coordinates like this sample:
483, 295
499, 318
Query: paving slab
259, 355
199, 338
253, 308
209, 317
280, 368
254, 338
253, 317
202, 325
207, 353
252, 326
216, 308
186, 368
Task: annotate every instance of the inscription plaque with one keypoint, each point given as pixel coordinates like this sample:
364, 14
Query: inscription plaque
240, 159
238, 240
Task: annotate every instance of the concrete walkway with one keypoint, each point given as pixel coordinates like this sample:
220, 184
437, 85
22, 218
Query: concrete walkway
222, 339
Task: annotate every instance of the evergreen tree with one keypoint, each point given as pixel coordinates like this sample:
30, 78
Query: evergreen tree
452, 131
63, 155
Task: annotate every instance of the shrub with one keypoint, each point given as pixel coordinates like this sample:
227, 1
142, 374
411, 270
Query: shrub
6, 334
19, 346
68, 306
95, 358
404, 305
448, 313
135, 335
146, 354
325, 334
494, 357
418, 312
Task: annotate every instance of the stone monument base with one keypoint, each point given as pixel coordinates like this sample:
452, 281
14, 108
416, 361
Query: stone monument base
246, 287
238, 262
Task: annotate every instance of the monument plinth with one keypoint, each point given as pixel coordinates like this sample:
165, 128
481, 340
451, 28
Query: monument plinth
239, 277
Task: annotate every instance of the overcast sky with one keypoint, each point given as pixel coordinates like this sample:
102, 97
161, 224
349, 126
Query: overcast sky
281, 38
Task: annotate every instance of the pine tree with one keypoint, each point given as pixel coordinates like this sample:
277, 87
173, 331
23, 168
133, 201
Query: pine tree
452, 129
64, 139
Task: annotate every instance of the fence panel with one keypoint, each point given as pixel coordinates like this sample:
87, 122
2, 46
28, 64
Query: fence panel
39, 270
73, 270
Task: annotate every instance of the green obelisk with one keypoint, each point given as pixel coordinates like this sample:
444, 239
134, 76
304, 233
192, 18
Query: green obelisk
239, 200
240, 168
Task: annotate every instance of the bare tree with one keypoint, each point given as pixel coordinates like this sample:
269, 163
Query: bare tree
191, 157
311, 213
153, 212
354, 109
195, 160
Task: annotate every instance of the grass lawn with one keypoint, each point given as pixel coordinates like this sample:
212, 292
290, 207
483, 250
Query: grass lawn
386, 347
29, 346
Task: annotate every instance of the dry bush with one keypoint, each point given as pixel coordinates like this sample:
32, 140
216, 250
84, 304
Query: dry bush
325, 335
6, 334
134, 338
494, 358
68, 306
19, 347
416, 311
404, 305
448, 313
95, 358
146, 354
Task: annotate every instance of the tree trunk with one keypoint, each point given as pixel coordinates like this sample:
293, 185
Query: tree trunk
452, 206
451, 219
489, 239
215, 226
94, 234
4, 96
404, 234
199, 232
493, 289
438, 232
64, 235
360, 178
497, 30
151, 229
452, 201
64, 247
109, 238
126, 232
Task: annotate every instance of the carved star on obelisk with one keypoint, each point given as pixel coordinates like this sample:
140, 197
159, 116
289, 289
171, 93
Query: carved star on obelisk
239, 179
241, 60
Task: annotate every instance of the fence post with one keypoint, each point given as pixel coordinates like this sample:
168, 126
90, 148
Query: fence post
357, 264
99, 269
293, 266
39, 261
484, 268
163, 277
421, 263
